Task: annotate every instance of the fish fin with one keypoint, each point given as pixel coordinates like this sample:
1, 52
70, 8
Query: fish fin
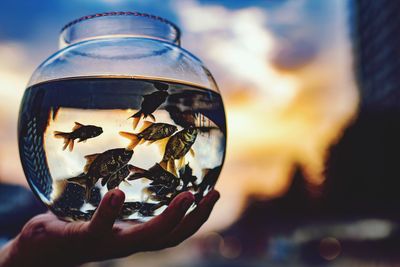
58, 189
132, 137
106, 179
135, 169
152, 117
77, 126
66, 143
181, 163
137, 173
79, 180
164, 164
66, 136
141, 141
149, 142
162, 143
171, 167
192, 152
136, 118
89, 161
71, 144
55, 112
145, 125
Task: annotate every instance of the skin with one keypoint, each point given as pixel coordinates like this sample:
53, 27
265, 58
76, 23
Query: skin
47, 241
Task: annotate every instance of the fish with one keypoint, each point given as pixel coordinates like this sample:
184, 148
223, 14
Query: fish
184, 118
149, 104
101, 165
209, 179
148, 209
163, 182
153, 132
81, 132
187, 177
128, 208
177, 147
157, 174
143, 208
161, 86
119, 176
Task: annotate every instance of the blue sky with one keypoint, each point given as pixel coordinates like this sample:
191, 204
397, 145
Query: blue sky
36, 24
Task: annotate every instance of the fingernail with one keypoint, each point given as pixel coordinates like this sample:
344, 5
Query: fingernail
186, 203
114, 201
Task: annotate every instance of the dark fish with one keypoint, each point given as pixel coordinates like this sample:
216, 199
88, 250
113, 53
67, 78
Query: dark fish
128, 208
187, 177
184, 118
153, 132
144, 209
119, 176
157, 174
148, 209
177, 147
81, 132
102, 165
209, 179
149, 104
163, 182
161, 86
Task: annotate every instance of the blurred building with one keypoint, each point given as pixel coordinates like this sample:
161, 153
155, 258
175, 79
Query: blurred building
376, 31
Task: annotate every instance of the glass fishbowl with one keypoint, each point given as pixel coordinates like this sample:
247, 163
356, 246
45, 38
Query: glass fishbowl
120, 105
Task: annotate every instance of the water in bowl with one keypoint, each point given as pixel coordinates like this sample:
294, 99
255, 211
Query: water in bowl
152, 139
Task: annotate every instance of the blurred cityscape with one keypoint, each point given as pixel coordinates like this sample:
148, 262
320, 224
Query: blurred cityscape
310, 89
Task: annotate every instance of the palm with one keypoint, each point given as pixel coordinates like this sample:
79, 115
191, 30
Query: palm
67, 243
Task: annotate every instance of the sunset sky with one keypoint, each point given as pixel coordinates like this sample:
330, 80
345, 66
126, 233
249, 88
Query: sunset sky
283, 68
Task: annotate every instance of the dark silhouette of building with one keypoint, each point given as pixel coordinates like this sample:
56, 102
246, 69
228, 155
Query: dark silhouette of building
376, 32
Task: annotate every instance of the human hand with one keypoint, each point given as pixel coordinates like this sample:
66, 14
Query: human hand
47, 241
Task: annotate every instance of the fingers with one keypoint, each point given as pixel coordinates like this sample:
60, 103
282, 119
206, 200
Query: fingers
147, 234
193, 221
103, 220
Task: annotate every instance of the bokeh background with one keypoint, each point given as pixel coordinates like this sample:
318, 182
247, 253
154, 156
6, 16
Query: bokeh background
291, 74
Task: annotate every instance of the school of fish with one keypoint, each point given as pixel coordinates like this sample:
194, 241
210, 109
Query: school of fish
171, 176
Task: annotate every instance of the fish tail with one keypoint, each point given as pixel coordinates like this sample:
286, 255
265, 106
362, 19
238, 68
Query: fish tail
68, 141
137, 173
132, 137
162, 144
181, 163
136, 118
81, 180
169, 165
151, 116
84, 181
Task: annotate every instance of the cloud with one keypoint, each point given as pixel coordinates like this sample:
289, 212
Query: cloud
288, 95
236, 44
14, 74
